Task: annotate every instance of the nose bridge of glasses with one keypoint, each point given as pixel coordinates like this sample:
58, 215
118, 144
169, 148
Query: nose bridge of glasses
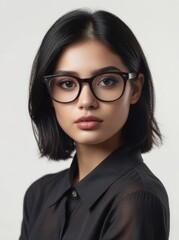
86, 86
86, 80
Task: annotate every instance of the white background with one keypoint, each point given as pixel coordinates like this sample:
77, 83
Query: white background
22, 27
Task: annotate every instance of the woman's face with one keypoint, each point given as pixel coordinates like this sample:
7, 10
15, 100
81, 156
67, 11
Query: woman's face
102, 121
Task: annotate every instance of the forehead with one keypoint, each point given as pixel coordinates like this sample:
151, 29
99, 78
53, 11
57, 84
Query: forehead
86, 57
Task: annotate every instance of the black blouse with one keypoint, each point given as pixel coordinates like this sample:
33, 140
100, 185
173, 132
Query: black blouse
120, 199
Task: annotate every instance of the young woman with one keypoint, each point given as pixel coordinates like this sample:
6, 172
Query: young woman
91, 96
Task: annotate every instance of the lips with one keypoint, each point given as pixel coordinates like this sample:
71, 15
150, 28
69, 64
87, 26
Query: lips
88, 122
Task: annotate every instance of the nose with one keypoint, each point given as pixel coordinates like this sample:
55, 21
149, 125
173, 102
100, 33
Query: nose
86, 99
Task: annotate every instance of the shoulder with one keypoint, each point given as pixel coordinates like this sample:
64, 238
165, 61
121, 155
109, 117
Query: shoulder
150, 183
139, 213
139, 206
37, 196
47, 182
140, 182
41, 189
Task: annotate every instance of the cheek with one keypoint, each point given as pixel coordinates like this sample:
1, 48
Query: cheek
118, 114
121, 116
62, 114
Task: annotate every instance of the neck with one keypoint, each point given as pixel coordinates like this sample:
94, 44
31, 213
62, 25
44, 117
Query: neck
90, 156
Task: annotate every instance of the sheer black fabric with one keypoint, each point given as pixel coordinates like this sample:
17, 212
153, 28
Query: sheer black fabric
120, 199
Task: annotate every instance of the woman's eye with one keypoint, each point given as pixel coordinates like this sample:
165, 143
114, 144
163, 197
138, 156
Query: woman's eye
108, 82
66, 84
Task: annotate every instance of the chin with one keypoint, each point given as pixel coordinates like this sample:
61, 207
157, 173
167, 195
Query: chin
89, 140
92, 140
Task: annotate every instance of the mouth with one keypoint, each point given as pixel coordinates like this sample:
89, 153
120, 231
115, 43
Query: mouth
88, 123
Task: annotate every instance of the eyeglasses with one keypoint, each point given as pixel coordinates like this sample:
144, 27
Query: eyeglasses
106, 87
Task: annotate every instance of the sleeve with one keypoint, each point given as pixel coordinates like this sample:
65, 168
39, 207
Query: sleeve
139, 216
26, 215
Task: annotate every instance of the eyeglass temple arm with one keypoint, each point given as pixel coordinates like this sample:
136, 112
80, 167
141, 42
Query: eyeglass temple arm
132, 75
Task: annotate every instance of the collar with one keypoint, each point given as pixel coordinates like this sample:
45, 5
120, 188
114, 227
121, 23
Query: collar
99, 180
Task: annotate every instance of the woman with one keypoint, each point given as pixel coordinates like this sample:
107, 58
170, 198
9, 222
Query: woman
91, 94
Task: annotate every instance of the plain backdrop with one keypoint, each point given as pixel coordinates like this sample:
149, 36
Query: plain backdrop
22, 27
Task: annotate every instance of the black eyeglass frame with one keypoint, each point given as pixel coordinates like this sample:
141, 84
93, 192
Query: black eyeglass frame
125, 76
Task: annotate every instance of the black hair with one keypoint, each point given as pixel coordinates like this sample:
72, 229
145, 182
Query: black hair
141, 129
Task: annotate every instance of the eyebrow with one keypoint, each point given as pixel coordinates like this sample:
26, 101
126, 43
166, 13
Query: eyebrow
96, 72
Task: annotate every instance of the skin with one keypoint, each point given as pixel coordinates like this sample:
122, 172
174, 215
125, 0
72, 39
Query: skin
94, 145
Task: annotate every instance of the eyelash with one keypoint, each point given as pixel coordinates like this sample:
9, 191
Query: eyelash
63, 82
114, 81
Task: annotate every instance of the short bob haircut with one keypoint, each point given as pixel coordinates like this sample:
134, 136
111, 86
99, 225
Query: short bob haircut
140, 131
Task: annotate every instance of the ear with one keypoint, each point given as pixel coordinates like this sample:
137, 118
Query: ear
137, 85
